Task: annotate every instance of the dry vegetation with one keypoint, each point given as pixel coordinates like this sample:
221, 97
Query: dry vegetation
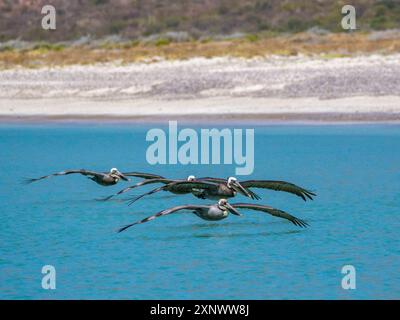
330, 45
124, 31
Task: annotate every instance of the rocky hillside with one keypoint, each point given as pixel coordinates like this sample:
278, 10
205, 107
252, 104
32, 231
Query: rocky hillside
188, 18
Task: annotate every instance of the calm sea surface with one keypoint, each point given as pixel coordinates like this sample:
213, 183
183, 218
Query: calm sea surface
355, 219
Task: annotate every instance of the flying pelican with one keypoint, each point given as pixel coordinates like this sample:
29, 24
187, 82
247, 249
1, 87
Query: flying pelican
203, 189
220, 211
101, 178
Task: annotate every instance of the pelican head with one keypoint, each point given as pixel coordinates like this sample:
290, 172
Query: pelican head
234, 184
116, 172
231, 181
224, 205
191, 178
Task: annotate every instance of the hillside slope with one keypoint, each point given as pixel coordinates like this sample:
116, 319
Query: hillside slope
201, 18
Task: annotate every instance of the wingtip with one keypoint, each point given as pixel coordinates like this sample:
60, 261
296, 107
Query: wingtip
309, 196
300, 223
104, 199
26, 181
304, 224
119, 230
125, 227
131, 201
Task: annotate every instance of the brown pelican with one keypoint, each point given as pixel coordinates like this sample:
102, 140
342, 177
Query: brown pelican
220, 211
202, 189
102, 178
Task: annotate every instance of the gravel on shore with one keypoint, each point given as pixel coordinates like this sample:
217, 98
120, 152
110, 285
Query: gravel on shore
226, 86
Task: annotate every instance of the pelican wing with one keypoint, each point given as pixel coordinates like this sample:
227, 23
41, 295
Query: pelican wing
141, 183
178, 186
162, 213
66, 172
210, 179
279, 186
131, 201
143, 175
188, 186
272, 211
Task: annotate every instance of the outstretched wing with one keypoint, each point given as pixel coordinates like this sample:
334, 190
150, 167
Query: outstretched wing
66, 172
185, 186
210, 179
162, 213
178, 187
142, 175
131, 201
272, 211
280, 186
141, 183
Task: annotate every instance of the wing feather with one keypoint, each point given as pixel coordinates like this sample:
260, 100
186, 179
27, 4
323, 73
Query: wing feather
160, 214
280, 186
188, 186
178, 186
273, 212
65, 172
141, 183
142, 175
210, 179
131, 201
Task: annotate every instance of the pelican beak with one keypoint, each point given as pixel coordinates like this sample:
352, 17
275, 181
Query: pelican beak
123, 177
240, 189
232, 210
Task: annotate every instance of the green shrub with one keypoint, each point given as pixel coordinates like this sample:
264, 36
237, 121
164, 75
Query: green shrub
162, 42
252, 37
296, 25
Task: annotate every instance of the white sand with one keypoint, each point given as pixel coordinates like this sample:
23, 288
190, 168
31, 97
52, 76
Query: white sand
212, 106
220, 86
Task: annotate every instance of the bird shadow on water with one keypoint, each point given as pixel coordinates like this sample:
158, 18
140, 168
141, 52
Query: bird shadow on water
210, 225
229, 235
222, 235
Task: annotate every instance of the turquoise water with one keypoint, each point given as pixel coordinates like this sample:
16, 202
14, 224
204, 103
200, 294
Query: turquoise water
355, 171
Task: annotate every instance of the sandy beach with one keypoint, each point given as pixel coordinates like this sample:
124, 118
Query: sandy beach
362, 88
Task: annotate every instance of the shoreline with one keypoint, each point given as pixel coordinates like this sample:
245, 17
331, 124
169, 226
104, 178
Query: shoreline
376, 109
256, 119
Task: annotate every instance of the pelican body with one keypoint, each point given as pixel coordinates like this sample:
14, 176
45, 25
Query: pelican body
212, 213
109, 179
222, 190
